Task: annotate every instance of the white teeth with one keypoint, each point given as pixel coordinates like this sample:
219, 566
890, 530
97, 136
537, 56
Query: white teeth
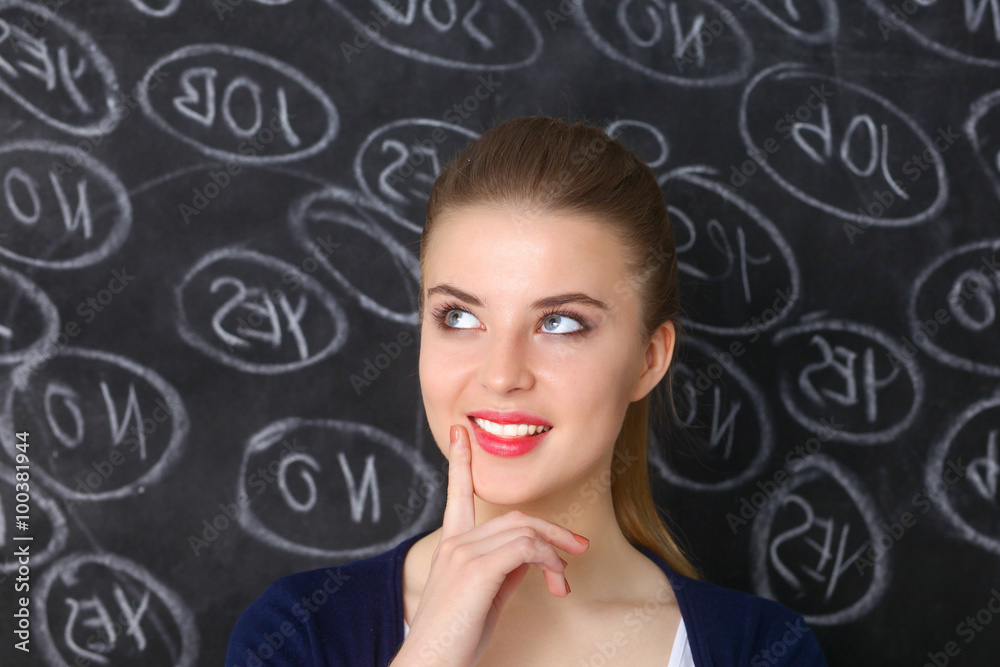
510, 430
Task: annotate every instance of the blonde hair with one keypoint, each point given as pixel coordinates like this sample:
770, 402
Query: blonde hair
542, 164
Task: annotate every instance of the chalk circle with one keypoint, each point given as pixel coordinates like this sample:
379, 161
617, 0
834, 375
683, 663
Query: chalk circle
654, 158
348, 211
906, 25
246, 152
829, 21
741, 324
960, 356
42, 551
794, 71
811, 469
281, 275
44, 316
70, 574
168, 9
986, 410
763, 436
303, 468
628, 43
26, 154
987, 106
29, 376
884, 349
387, 140
430, 33
101, 66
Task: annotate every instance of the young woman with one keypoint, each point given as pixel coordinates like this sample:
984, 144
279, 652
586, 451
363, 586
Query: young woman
549, 290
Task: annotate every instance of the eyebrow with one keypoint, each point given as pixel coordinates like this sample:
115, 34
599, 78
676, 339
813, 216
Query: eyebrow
546, 302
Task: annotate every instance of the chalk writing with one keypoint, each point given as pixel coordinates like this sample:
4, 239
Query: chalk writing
324, 493
848, 369
803, 547
256, 324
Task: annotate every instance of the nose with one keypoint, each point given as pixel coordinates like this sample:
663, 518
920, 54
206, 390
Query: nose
505, 365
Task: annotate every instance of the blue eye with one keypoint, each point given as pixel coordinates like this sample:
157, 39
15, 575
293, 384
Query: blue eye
566, 318
453, 316
450, 315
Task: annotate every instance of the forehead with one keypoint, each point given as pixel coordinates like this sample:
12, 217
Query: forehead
501, 255
474, 238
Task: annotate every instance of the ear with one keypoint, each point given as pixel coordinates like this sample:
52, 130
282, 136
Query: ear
656, 360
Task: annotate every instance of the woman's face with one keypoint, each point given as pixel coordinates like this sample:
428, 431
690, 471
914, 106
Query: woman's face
487, 345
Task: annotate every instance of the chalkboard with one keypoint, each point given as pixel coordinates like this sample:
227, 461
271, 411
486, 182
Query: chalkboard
209, 225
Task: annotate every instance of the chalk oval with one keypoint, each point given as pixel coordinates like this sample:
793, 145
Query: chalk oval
65, 209
279, 114
983, 131
973, 43
31, 330
954, 308
741, 256
166, 624
48, 527
359, 220
306, 322
103, 426
821, 19
826, 161
323, 486
709, 383
643, 38
962, 474
491, 36
74, 108
398, 162
643, 138
782, 566
842, 373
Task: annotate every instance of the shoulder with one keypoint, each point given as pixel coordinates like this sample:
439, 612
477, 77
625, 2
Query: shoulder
322, 615
759, 632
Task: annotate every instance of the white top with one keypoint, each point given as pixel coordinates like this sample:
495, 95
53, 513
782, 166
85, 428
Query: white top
680, 654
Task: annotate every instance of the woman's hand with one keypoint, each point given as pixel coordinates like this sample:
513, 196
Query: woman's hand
475, 569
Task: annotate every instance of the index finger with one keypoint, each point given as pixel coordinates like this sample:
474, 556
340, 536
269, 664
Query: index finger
459, 508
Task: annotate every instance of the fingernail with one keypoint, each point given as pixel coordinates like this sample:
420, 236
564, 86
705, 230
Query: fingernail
454, 435
564, 562
581, 539
568, 590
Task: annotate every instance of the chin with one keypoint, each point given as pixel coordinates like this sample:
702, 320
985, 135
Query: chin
501, 491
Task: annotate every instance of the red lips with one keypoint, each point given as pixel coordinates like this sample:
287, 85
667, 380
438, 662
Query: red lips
507, 447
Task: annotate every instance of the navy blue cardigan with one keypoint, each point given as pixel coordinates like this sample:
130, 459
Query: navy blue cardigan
352, 615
